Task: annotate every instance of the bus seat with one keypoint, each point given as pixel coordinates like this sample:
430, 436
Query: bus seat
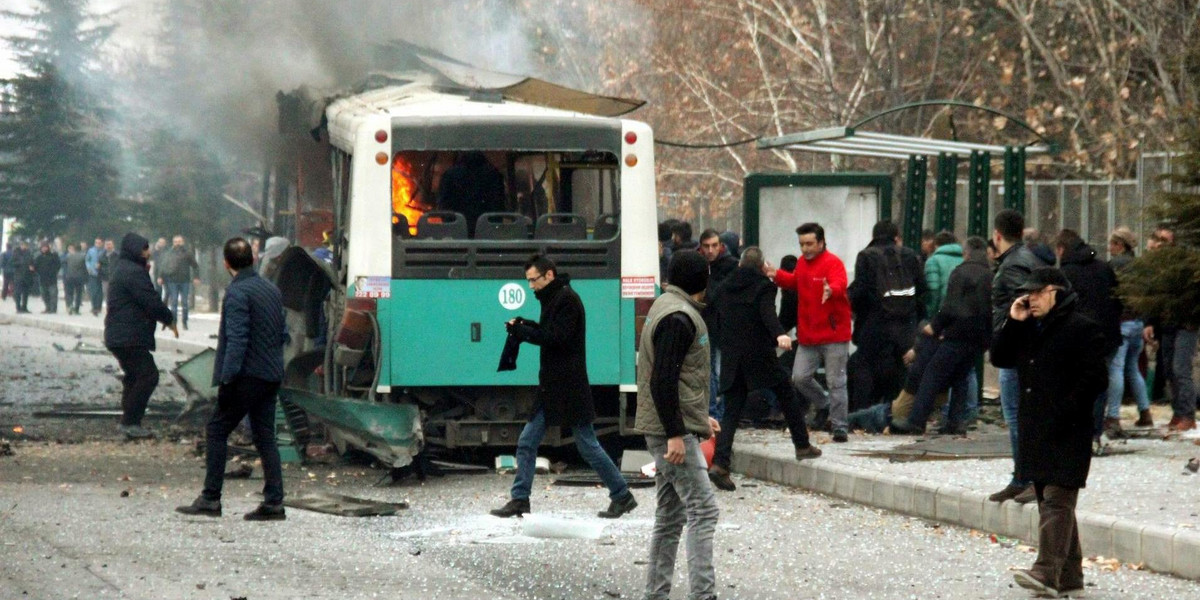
400, 226
502, 226
442, 224
560, 226
606, 227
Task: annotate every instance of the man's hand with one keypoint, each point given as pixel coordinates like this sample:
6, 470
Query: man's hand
196, 281
173, 327
1148, 334
769, 270
909, 357
675, 451
927, 330
1019, 311
714, 426
784, 342
827, 292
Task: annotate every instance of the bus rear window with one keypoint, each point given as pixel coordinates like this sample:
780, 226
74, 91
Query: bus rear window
505, 195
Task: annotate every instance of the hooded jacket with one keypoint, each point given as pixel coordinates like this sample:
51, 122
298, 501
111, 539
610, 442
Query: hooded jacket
1062, 368
133, 305
47, 265
819, 322
1096, 286
745, 305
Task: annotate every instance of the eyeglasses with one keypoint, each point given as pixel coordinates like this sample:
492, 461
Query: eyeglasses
530, 281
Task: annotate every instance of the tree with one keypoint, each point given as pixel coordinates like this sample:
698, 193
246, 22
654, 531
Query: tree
58, 168
1165, 283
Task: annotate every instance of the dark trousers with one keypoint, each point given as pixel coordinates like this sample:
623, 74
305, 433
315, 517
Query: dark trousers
792, 405
22, 287
1060, 559
74, 294
242, 397
7, 289
95, 292
49, 291
141, 377
947, 369
1163, 360
876, 369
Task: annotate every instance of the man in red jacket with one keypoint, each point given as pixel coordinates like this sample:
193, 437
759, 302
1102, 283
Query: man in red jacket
822, 325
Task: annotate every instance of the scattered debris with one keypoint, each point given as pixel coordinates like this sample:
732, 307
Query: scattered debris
543, 526
633, 460
452, 467
558, 468
5, 448
82, 348
1003, 541
1193, 465
506, 464
125, 493
592, 479
242, 471
345, 506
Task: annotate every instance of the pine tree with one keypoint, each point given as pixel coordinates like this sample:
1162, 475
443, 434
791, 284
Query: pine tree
58, 168
1165, 283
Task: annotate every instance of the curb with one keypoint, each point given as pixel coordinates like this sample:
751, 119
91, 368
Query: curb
1160, 548
91, 331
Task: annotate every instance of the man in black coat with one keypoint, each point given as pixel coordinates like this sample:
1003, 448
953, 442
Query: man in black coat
721, 265
1059, 354
22, 264
745, 306
1095, 283
564, 393
47, 265
888, 300
133, 308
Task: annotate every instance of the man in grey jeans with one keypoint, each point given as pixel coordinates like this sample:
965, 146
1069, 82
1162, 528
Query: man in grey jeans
672, 412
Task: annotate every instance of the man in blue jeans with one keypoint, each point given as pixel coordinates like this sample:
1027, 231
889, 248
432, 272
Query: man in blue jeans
1016, 261
564, 394
248, 370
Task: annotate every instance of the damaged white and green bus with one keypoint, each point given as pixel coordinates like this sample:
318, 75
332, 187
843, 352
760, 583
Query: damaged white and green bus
440, 193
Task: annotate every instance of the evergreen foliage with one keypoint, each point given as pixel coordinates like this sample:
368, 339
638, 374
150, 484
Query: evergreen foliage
58, 154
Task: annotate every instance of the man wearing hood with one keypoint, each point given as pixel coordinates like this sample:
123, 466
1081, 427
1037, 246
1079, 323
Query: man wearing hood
1096, 286
47, 265
22, 263
133, 308
745, 303
564, 393
1060, 356
947, 255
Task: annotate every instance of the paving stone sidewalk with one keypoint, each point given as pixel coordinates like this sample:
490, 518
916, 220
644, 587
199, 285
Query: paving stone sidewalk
1141, 505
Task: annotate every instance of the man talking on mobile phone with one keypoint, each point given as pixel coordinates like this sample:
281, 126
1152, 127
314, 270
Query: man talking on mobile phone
672, 412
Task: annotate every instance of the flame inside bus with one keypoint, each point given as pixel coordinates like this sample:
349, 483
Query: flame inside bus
404, 191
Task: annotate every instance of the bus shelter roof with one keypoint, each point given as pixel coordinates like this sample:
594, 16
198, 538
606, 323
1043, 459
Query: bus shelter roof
848, 141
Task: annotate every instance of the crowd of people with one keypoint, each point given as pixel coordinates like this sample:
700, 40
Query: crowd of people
85, 269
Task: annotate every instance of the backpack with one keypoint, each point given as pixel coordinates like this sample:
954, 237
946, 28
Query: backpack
894, 287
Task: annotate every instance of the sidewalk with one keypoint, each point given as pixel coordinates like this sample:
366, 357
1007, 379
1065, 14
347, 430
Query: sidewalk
1141, 506
201, 333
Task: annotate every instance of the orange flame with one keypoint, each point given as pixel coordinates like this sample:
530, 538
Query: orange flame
18, 429
403, 190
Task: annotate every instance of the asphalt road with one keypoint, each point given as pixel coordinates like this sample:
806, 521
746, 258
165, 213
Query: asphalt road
93, 518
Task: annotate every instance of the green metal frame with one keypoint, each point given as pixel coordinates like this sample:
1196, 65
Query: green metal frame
914, 200
980, 174
755, 182
1014, 178
947, 189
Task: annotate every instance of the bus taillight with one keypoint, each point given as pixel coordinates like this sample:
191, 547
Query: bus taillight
631, 138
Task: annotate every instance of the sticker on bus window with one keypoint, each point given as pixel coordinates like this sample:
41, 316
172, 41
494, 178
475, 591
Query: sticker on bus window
372, 287
512, 296
637, 287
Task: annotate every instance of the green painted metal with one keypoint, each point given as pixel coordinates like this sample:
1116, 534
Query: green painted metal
383, 423
196, 374
947, 188
428, 328
1053, 146
289, 452
627, 346
755, 182
914, 205
1014, 178
980, 174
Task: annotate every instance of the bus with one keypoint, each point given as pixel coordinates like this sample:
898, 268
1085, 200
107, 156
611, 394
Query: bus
439, 197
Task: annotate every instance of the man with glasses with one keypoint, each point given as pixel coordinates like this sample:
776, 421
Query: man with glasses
564, 393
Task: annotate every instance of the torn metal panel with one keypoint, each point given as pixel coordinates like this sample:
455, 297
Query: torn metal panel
343, 506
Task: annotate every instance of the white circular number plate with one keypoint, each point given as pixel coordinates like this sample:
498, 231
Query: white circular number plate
512, 296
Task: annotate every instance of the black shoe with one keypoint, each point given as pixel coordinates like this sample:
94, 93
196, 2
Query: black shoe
1029, 581
266, 512
839, 436
1026, 496
821, 420
953, 430
616, 508
902, 427
719, 476
202, 507
514, 508
136, 432
809, 451
1008, 493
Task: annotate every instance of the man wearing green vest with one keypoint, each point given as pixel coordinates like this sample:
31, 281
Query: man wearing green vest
672, 412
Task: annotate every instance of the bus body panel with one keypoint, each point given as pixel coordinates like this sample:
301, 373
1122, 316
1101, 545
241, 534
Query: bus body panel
434, 323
